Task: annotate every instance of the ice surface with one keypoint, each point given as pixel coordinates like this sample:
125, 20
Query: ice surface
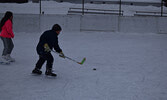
128, 67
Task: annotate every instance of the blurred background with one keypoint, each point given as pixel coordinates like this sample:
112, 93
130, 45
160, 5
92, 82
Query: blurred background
102, 7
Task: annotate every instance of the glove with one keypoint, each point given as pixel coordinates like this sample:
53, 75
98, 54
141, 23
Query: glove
47, 49
61, 54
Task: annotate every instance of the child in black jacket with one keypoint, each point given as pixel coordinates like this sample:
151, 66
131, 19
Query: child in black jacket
49, 38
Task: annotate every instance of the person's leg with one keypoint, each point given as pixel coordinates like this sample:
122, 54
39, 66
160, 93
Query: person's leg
50, 60
5, 43
9, 51
49, 65
39, 64
10, 46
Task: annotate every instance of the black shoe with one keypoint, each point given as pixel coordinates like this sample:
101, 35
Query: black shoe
50, 73
37, 71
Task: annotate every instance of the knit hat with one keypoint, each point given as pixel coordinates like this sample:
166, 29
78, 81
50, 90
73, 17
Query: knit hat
56, 27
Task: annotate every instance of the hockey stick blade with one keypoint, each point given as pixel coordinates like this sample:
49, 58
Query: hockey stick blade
83, 60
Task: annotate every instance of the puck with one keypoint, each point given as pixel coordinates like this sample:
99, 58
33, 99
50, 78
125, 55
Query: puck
94, 68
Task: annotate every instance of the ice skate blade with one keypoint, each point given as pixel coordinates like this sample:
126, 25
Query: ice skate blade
5, 63
49, 76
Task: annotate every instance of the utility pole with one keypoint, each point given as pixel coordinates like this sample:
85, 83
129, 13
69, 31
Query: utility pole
40, 7
83, 7
120, 3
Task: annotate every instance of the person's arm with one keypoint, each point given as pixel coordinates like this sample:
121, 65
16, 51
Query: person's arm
59, 50
57, 47
41, 44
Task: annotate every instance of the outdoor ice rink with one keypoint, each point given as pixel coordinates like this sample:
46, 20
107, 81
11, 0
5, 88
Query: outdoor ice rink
128, 53
130, 66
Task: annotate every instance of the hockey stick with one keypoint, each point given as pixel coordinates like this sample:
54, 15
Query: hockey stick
48, 49
83, 60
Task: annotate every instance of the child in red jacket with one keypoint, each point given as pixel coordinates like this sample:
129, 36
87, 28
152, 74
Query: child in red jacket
6, 36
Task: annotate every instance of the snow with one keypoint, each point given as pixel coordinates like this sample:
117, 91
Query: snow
130, 66
53, 7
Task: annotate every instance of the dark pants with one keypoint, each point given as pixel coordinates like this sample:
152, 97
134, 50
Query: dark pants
46, 57
8, 46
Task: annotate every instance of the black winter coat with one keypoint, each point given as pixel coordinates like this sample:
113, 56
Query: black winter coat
51, 38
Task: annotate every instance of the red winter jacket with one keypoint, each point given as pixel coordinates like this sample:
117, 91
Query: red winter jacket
7, 31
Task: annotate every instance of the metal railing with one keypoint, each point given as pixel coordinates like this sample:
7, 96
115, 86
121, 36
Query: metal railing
120, 11
94, 11
149, 13
87, 10
83, 9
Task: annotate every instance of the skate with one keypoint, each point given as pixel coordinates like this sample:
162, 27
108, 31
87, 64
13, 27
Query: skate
37, 71
3, 61
9, 58
50, 73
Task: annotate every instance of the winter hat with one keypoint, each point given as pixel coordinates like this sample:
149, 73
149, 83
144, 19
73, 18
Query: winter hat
56, 27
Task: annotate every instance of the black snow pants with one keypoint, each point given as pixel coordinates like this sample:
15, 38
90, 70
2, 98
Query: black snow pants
45, 57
